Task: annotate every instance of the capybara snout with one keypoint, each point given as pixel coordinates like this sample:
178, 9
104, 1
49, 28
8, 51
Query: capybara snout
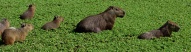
118, 11
177, 29
27, 26
173, 26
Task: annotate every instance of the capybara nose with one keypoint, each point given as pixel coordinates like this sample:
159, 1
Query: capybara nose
177, 29
124, 12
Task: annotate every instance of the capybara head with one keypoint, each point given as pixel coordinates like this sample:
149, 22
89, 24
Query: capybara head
27, 26
173, 26
58, 18
5, 22
117, 11
32, 6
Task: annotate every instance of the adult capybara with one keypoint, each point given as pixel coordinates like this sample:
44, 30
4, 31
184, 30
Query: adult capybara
4, 24
11, 35
99, 22
29, 13
164, 31
53, 24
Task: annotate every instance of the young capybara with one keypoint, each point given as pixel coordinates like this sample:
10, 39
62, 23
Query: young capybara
29, 13
99, 22
53, 24
164, 31
4, 24
11, 35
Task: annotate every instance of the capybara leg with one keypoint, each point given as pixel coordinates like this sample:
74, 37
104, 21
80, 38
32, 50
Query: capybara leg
10, 41
109, 27
96, 30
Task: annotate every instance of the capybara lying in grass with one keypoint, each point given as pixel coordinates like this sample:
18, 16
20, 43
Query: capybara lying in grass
29, 13
99, 22
4, 24
11, 35
164, 31
53, 24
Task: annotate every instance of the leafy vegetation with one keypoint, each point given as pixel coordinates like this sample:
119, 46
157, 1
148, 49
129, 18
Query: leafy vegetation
141, 16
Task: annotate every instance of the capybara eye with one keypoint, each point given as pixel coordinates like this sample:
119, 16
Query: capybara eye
173, 26
116, 9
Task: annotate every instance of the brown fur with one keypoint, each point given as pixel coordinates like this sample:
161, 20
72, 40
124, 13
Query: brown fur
29, 13
164, 31
99, 22
4, 24
53, 24
9, 36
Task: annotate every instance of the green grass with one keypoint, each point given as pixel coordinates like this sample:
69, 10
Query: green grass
141, 16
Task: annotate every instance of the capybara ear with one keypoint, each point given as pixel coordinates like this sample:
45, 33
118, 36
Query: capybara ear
5, 19
23, 24
55, 17
111, 7
169, 21
31, 5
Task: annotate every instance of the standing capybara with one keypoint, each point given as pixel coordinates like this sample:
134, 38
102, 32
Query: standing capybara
4, 24
99, 22
29, 13
53, 24
11, 35
164, 31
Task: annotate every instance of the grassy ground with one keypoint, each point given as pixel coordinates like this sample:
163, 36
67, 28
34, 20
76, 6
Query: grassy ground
141, 16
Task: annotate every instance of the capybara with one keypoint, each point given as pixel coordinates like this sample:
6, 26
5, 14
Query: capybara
4, 24
55, 23
29, 13
99, 22
11, 35
164, 31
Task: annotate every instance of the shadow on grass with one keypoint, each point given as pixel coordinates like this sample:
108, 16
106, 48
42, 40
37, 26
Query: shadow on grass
1, 43
75, 31
130, 35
